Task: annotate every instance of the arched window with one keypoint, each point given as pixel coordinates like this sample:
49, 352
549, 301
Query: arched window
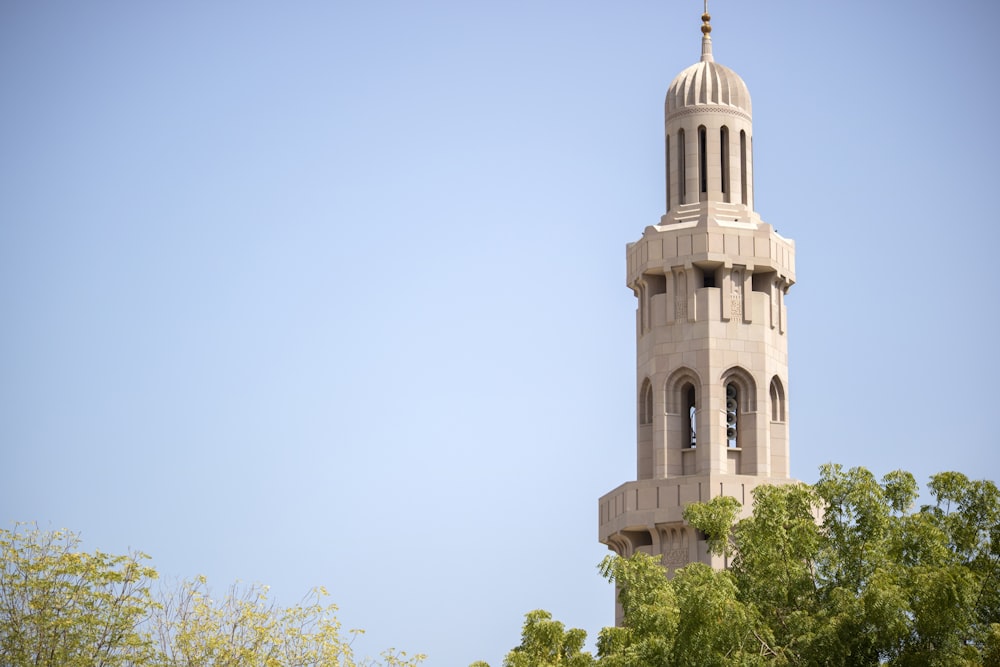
743, 165
732, 414
740, 408
682, 397
681, 172
777, 400
646, 402
702, 160
691, 412
724, 141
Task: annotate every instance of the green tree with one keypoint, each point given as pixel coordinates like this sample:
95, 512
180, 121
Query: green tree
547, 643
650, 615
871, 582
694, 619
775, 566
841, 573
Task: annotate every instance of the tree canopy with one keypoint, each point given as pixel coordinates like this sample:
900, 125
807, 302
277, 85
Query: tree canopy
843, 572
64, 607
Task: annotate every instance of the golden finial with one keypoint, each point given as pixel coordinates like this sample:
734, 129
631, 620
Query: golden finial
706, 38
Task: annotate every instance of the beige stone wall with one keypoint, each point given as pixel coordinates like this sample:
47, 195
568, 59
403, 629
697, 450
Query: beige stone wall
703, 338
733, 330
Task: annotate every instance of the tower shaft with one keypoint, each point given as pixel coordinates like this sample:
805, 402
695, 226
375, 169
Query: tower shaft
711, 338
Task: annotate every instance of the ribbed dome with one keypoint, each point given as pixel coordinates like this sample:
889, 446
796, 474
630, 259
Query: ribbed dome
708, 82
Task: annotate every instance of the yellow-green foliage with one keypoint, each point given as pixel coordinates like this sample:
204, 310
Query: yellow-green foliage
62, 607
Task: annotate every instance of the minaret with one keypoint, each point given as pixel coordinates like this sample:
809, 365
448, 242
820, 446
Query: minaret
711, 344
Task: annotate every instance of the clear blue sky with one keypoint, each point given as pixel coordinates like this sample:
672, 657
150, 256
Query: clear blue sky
333, 292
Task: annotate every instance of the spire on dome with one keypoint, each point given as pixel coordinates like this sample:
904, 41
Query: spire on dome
706, 37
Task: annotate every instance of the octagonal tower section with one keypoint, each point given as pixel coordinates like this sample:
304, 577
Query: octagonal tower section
711, 337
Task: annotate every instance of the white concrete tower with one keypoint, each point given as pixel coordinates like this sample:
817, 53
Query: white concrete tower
711, 346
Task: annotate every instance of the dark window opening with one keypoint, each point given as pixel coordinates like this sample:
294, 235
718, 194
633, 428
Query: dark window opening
638, 538
724, 140
681, 172
691, 410
702, 161
732, 415
743, 165
761, 282
657, 283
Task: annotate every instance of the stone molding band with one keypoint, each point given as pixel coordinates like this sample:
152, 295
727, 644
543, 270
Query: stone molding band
709, 108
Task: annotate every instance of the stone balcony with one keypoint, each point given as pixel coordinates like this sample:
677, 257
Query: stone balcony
642, 505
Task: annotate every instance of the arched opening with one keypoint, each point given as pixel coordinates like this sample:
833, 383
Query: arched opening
681, 172
732, 415
743, 165
683, 416
745, 386
702, 161
746, 447
724, 150
691, 413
